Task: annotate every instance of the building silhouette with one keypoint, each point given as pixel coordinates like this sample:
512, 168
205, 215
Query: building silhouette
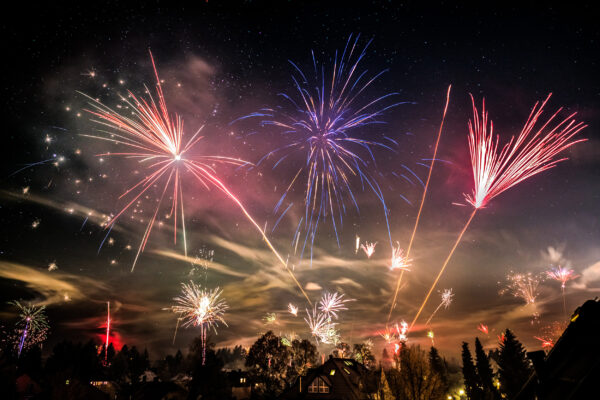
571, 370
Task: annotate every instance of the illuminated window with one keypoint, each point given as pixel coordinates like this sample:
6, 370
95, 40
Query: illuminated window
346, 370
332, 372
318, 386
242, 380
348, 363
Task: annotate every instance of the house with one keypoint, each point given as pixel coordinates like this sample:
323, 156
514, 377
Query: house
336, 379
26, 387
571, 368
240, 386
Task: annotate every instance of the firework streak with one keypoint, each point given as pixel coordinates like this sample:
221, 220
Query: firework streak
412, 236
158, 142
494, 172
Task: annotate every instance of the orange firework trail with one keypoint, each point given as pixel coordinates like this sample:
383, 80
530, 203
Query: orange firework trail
412, 236
494, 172
157, 141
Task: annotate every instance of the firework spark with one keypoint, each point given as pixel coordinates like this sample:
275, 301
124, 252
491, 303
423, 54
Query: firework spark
33, 325
523, 286
368, 248
200, 307
332, 303
293, 309
402, 331
562, 275
430, 335
270, 319
320, 125
546, 342
158, 142
501, 338
447, 296
483, 328
495, 171
321, 327
399, 259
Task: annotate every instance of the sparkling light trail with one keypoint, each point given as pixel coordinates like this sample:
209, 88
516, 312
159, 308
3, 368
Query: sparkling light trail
494, 171
414, 232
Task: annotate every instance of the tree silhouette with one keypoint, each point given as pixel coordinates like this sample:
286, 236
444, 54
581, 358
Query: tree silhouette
472, 385
342, 350
513, 367
416, 380
438, 365
363, 354
304, 355
485, 372
268, 361
208, 380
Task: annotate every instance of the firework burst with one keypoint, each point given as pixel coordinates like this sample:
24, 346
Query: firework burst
447, 297
546, 343
483, 328
200, 307
322, 327
33, 325
332, 303
157, 141
523, 286
531, 152
292, 309
319, 124
368, 248
562, 275
270, 319
399, 260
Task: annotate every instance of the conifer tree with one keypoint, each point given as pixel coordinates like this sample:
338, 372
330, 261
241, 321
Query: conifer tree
513, 367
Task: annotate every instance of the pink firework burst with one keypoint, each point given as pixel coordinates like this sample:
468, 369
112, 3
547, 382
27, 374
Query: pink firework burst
368, 248
530, 153
483, 328
157, 141
562, 275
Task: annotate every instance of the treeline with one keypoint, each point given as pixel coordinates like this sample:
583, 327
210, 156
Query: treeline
513, 369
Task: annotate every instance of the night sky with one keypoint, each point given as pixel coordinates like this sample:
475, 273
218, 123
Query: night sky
222, 62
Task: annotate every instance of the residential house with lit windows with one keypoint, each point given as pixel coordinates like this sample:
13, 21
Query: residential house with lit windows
336, 379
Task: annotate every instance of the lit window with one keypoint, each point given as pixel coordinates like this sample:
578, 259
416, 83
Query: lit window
332, 372
348, 363
346, 370
318, 386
